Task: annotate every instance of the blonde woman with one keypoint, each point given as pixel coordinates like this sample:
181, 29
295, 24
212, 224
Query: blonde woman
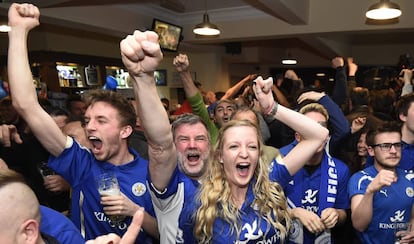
237, 201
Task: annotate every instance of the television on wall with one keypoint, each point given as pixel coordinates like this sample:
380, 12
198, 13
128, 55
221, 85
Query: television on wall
169, 35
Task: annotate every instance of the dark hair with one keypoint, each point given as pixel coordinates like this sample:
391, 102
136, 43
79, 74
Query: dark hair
403, 104
6, 101
125, 109
359, 96
219, 94
405, 61
165, 101
386, 127
231, 102
73, 98
56, 111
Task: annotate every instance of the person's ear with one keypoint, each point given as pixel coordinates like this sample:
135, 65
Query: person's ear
30, 231
371, 151
219, 158
402, 117
126, 131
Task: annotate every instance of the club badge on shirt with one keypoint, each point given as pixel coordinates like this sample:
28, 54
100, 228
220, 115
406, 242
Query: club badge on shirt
138, 189
409, 191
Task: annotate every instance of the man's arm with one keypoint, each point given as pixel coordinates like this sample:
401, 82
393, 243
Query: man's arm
407, 78
194, 97
351, 79
232, 91
181, 64
337, 118
141, 55
339, 90
362, 205
23, 18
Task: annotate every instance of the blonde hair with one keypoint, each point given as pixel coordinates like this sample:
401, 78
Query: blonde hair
315, 107
215, 197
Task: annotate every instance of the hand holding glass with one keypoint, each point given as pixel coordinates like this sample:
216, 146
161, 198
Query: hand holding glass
108, 186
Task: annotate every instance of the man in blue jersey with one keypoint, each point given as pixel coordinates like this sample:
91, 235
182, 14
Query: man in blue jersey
110, 120
318, 192
382, 195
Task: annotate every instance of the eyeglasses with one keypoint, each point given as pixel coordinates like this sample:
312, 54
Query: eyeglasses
387, 146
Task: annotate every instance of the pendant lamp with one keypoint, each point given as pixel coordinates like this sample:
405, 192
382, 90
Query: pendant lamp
206, 28
383, 10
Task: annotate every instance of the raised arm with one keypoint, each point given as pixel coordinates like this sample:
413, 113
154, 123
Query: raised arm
339, 90
23, 18
181, 64
194, 97
352, 69
232, 91
141, 55
315, 135
407, 78
337, 118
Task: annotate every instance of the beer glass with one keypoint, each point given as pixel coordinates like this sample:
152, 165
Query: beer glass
108, 186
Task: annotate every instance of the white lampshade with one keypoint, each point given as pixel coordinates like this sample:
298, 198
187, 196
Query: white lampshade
383, 10
206, 28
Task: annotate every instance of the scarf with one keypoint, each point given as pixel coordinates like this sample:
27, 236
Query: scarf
327, 193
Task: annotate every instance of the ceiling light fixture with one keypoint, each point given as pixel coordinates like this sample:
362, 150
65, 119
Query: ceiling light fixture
289, 60
206, 28
383, 10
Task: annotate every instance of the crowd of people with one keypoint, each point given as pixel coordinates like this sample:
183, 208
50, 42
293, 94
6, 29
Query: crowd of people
265, 162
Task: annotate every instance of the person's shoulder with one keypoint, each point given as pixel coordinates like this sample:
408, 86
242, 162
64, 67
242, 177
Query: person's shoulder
52, 215
49, 239
367, 173
58, 226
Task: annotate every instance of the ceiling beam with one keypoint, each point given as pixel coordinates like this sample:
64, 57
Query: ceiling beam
294, 12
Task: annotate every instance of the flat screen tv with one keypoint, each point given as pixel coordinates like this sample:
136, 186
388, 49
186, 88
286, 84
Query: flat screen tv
169, 34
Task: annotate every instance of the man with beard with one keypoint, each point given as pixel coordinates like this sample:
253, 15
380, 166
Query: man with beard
192, 142
382, 195
109, 121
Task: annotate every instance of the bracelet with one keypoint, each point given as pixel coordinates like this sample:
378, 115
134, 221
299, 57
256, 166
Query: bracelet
271, 111
269, 116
